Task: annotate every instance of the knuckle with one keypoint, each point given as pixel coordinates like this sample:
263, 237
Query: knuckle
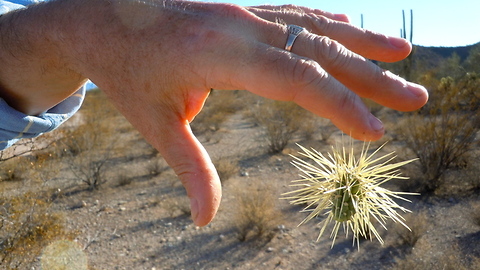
347, 103
232, 11
321, 24
305, 72
369, 37
332, 52
387, 80
290, 8
306, 76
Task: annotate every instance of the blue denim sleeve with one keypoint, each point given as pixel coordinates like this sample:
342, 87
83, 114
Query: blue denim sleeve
15, 125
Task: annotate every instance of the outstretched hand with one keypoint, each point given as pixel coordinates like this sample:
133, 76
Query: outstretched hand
158, 61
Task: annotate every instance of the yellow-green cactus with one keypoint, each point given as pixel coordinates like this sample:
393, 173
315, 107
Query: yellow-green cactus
347, 190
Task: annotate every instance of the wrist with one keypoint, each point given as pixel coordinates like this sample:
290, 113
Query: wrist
36, 76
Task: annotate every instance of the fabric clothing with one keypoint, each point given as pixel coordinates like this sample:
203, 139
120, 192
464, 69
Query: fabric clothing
15, 125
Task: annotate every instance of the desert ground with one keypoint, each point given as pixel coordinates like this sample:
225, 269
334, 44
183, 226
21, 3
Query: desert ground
137, 217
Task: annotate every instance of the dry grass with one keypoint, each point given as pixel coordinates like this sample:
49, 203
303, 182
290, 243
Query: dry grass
218, 107
175, 205
156, 166
14, 169
26, 228
418, 224
280, 120
450, 259
226, 168
256, 215
124, 180
475, 213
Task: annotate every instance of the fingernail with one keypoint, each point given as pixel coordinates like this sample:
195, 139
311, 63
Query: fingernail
376, 124
417, 90
341, 17
194, 209
398, 42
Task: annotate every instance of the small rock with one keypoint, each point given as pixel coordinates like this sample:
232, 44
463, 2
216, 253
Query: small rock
270, 249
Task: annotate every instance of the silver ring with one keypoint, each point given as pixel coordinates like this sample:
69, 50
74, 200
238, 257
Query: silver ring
293, 32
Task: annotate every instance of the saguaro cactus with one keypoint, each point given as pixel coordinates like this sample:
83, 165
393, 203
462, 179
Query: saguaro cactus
408, 62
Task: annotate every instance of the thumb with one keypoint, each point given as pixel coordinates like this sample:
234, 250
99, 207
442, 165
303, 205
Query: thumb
192, 164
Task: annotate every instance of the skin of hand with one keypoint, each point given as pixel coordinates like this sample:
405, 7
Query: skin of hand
158, 60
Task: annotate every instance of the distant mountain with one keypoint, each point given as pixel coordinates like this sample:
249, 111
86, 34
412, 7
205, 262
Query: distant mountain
433, 55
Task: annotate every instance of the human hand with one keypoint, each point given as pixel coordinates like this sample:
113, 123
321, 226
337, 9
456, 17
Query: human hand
163, 70
157, 61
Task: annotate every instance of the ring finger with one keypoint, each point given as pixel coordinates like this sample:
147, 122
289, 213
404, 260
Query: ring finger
355, 72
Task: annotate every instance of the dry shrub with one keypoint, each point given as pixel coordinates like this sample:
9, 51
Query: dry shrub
475, 213
280, 120
449, 259
471, 172
256, 214
45, 166
218, 107
124, 180
88, 147
86, 153
326, 129
156, 166
418, 224
64, 255
176, 205
26, 228
226, 168
14, 169
41, 167
443, 132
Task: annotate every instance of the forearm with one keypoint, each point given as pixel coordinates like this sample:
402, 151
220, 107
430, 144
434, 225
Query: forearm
35, 51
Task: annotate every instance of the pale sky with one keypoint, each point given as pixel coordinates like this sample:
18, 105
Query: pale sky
436, 23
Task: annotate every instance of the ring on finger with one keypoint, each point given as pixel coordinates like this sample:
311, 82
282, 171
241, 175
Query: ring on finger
293, 32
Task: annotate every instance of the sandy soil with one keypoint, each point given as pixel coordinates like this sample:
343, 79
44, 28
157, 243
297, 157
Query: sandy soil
143, 224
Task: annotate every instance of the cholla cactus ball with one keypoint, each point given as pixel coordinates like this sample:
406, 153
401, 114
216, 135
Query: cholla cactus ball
347, 190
